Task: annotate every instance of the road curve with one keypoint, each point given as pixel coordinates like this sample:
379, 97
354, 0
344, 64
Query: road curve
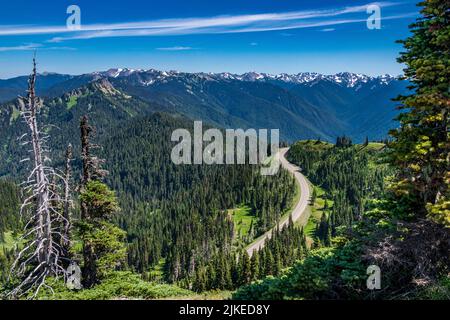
299, 208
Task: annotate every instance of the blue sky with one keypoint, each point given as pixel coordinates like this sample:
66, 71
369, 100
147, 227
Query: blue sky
237, 36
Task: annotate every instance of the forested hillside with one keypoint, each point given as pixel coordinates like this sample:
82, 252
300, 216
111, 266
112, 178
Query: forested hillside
107, 107
9, 207
350, 174
356, 219
180, 213
177, 218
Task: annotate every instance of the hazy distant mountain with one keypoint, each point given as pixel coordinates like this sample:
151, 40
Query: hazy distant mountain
11, 88
304, 105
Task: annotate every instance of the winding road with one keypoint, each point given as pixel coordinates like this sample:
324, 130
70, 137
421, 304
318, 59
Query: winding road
300, 208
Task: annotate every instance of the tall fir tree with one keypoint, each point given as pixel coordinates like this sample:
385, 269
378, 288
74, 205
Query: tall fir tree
421, 147
103, 243
254, 265
245, 268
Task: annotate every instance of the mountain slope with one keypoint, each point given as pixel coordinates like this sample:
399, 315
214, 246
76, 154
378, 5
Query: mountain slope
232, 103
304, 105
11, 88
366, 109
108, 108
373, 113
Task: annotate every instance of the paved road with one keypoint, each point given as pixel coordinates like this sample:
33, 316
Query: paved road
300, 207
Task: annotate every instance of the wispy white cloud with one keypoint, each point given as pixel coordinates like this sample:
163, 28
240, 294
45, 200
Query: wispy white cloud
328, 30
204, 25
313, 24
25, 47
33, 47
177, 48
59, 48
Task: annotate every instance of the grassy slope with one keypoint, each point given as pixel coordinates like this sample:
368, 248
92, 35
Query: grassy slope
375, 146
242, 219
314, 144
72, 102
9, 242
317, 210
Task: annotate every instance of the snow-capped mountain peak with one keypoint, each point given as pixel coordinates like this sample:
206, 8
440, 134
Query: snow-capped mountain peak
118, 72
151, 76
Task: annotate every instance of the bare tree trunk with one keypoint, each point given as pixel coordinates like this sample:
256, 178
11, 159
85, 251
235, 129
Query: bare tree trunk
67, 202
86, 130
40, 256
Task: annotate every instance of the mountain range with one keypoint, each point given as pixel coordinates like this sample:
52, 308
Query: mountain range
303, 105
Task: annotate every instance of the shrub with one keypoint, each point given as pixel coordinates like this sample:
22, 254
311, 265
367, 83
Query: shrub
117, 285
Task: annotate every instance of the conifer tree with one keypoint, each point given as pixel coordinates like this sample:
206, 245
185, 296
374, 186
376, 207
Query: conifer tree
254, 265
269, 264
245, 268
103, 243
314, 196
199, 284
421, 146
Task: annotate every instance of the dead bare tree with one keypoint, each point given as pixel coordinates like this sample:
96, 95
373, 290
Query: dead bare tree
67, 199
40, 256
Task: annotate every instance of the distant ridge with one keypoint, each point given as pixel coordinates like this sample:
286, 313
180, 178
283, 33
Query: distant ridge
348, 79
302, 105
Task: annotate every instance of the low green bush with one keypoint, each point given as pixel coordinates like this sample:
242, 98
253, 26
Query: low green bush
117, 285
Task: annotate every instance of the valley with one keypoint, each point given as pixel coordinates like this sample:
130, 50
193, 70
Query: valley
302, 106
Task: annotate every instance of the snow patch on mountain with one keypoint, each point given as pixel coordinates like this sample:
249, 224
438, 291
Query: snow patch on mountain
151, 76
